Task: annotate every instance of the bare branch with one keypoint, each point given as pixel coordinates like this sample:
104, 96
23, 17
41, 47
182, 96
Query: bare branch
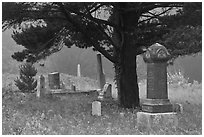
151, 13
90, 17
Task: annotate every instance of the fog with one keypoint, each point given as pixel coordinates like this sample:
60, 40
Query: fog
66, 60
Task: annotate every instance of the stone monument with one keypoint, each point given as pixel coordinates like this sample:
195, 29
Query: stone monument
78, 70
101, 76
73, 87
96, 108
105, 94
41, 90
157, 100
157, 107
108, 91
54, 80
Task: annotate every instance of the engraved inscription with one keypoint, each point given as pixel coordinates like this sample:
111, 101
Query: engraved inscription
150, 81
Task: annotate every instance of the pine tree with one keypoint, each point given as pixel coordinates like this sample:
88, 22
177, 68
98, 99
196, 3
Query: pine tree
126, 31
26, 83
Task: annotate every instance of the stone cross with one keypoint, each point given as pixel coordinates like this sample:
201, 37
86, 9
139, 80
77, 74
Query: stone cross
101, 76
157, 100
78, 71
41, 89
54, 80
96, 108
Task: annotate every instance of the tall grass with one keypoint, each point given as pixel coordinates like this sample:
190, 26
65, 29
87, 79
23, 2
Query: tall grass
24, 114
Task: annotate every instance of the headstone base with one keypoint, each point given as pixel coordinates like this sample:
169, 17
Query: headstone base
155, 121
157, 106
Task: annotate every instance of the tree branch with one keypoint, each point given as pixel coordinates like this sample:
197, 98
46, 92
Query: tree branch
143, 15
86, 35
106, 35
155, 15
151, 6
90, 17
101, 29
96, 8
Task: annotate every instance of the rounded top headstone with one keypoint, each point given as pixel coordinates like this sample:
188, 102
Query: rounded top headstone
156, 53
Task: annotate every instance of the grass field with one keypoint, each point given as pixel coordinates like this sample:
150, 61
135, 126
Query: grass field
71, 114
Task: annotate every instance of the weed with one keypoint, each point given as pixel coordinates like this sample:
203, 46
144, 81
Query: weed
24, 114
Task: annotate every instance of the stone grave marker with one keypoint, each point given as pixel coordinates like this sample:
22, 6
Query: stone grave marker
156, 109
157, 100
101, 76
96, 108
78, 70
54, 80
73, 87
105, 93
108, 93
41, 88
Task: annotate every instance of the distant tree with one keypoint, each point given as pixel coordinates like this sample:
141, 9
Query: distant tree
26, 82
119, 31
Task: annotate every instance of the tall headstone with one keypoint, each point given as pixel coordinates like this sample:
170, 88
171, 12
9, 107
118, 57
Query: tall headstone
54, 80
156, 109
96, 108
41, 89
100, 76
78, 70
157, 100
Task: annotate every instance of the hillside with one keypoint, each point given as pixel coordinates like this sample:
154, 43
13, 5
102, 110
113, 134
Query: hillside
66, 62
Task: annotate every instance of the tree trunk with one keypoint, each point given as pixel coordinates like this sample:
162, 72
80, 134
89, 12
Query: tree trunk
127, 81
125, 68
126, 75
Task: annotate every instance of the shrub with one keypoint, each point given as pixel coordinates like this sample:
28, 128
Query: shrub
26, 83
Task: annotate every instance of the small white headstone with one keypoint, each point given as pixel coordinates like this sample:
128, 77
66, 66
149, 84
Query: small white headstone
96, 108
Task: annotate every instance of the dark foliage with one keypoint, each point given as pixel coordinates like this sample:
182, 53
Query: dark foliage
26, 82
119, 31
43, 28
